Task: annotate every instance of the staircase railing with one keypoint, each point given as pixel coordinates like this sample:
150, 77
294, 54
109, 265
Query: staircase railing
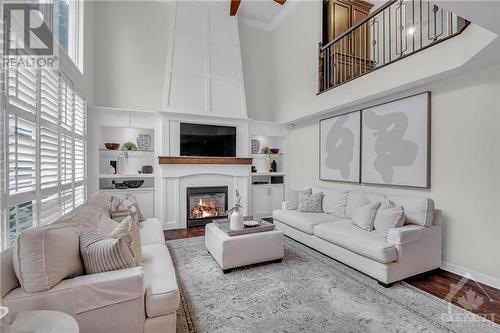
394, 31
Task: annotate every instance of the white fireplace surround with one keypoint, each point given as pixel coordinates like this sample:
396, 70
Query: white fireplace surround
177, 178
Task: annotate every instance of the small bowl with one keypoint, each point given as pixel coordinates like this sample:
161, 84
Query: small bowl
250, 224
133, 183
112, 146
275, 151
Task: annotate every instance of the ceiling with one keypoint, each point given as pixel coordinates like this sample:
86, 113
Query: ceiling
263, 12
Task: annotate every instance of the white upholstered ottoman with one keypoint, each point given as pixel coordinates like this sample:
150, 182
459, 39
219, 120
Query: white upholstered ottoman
237, 251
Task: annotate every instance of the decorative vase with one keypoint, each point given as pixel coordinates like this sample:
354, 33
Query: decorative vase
144, 142
111, 170
120, 164
236, 221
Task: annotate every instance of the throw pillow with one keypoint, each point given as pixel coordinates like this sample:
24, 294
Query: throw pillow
292, 202
44, 256
105, 226
389, 216
311, 203
364, 216
133, 200
102, 254
101, 200
128, 230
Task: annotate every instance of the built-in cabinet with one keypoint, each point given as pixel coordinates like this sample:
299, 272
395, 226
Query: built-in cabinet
267, 198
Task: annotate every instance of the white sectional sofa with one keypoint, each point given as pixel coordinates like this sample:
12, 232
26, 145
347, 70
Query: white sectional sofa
406, 251
138, 299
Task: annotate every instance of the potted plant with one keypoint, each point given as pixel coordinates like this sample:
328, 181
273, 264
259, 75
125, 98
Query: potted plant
235, 215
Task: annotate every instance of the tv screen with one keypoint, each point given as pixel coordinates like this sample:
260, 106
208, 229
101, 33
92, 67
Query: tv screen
208, 140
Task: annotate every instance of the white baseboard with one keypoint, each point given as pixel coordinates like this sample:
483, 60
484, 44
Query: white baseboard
478, 277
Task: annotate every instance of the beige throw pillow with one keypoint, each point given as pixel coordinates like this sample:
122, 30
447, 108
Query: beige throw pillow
364, 216
44, 256
102, 253
389, 216
128, 231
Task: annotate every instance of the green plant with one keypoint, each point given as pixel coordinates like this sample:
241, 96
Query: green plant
129, 146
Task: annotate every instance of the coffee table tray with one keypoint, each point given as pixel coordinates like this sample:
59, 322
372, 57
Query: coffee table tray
263, 226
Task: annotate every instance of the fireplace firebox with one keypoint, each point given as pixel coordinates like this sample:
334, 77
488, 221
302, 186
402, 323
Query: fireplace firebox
205, 204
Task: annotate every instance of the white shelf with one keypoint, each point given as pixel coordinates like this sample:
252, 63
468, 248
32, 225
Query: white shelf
130, 152
261, 155
267, 173
138, 189
267, 185
137, 175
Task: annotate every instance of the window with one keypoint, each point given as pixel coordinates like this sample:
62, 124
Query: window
67, 27
45, 123
65, 19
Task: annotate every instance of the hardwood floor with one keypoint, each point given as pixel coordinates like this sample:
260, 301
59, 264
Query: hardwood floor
473, 296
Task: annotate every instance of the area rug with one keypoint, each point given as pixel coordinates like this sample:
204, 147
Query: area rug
307, 292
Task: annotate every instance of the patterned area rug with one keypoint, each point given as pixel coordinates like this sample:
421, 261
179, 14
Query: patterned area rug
307, 292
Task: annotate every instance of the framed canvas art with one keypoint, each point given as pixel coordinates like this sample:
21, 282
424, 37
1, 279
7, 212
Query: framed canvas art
395, 147
340, 148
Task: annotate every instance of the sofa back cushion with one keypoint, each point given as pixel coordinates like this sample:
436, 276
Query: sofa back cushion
418, 210
358, 198
334, 200
44, 256
8, 278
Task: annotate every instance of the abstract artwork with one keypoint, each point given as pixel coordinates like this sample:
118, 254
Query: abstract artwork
339, 147
395, 142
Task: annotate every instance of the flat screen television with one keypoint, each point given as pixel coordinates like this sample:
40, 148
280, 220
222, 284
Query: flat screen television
208, 140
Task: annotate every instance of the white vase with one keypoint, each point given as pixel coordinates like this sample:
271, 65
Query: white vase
121, 167
236, 221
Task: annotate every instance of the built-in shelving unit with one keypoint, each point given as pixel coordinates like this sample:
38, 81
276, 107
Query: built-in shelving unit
134, 161
268, 188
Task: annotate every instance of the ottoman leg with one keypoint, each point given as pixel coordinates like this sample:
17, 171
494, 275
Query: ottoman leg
225, 271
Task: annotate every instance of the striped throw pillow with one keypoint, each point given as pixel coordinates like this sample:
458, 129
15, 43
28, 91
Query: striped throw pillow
101, 253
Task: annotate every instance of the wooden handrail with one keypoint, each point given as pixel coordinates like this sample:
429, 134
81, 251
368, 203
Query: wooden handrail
357, 25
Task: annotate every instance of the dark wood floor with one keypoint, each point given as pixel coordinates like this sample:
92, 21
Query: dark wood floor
473, 296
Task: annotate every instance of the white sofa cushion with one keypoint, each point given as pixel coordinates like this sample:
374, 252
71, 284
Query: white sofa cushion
364, 216
359, 198
304, 222
162, 293
417, 210
389, 215
334, 201
43, 256
151, 232
366, 243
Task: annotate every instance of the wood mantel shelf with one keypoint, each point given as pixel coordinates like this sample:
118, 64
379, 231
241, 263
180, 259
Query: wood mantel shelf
204, 160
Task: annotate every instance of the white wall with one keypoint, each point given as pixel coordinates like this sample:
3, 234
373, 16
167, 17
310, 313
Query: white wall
465, 166
256, 57
131, 40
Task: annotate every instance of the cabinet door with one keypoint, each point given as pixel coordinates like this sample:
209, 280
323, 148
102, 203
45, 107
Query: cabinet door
277, 197
145, 199
360, 47
260, 201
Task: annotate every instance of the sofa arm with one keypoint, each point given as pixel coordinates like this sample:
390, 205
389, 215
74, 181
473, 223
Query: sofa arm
103, 289
405, 234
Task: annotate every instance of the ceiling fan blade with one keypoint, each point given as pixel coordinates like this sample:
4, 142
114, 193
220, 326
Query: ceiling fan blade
235, 4
281, 2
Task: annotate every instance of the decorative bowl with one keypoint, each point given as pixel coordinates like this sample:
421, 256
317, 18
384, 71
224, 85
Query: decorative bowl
112, 146
133, 183
250, 224
275, 151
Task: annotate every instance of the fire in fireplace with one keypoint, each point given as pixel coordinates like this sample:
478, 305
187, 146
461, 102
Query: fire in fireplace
205, 204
